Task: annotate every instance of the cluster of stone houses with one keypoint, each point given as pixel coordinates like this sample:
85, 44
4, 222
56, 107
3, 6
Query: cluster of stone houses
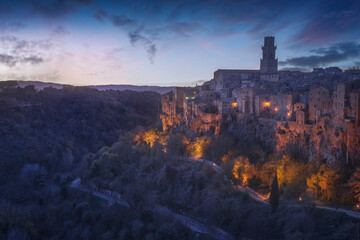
285, 96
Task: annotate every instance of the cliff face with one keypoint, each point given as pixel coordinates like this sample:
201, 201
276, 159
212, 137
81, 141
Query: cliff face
251, 128
169, 121
199, 125
330, 137
327, 140
353, 144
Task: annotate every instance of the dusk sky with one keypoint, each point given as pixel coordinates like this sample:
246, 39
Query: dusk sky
85, 42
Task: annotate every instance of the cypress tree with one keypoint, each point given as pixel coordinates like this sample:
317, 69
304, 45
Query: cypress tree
274, 195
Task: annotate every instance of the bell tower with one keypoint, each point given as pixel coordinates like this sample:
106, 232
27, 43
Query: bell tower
268, 63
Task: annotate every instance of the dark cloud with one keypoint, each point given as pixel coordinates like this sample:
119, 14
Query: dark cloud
46, 9
310, 22
60, 31
136, 37
330, 20
33, 60
122, 21
315, 21
134, 31
101, 15
140, 33
182, 29
7, 60
336, 53
85, 2
12, 61
55, 9
16, 46
293, 69
14, 51
52, 8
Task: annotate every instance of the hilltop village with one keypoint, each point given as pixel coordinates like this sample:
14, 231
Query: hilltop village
317, 111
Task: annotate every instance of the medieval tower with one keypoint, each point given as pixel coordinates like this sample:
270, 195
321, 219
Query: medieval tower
268, 63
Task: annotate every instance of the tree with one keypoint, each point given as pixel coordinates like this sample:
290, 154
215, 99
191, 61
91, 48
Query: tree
243, 171
274, 195
151, 136
177, 144
327, 183
199, 146
354, 184
292, 176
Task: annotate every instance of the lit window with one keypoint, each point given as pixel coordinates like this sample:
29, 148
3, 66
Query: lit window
266, 104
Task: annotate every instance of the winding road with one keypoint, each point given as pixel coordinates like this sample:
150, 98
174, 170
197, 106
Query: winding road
113, 197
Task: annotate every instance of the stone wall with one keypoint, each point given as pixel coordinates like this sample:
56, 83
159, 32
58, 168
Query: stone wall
319, 103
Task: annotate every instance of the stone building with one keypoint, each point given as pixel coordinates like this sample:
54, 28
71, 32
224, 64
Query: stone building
320, 109
283, 105
226, 80
355, 106
319, 103
184, 93
168, 105
299, 106
262, 105
279, 107
342, 106
169, 112
208, 97
301, 116
245, 99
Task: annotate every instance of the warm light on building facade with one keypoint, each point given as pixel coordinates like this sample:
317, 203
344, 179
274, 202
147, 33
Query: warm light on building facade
276, 109
234, 105
266, 104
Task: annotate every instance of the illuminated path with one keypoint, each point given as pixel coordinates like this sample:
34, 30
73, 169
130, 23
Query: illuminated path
260, 198
114, 197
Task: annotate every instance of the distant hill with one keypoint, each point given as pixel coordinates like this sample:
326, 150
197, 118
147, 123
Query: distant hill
41, 85
135, 88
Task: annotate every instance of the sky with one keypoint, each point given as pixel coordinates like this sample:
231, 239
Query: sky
169, 42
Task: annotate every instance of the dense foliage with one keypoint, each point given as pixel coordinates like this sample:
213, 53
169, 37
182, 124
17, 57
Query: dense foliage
54, 127
154, 176
45, 137
254, 164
